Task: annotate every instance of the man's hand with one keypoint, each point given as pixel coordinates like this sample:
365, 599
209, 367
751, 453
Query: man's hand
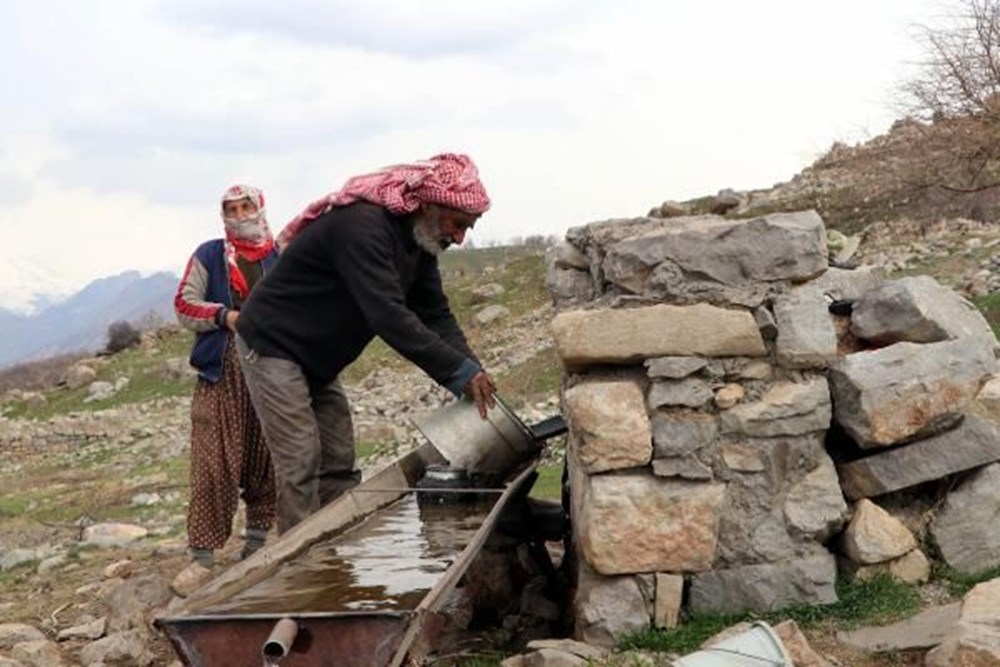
482, 391
231, 317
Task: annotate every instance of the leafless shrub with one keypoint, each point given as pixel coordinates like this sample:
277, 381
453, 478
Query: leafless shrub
121, 336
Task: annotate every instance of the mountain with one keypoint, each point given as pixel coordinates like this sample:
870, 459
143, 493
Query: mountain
27, 287
80, 322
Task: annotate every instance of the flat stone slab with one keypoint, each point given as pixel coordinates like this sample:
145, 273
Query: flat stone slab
974, 443
766, 587
701, 251
632, 335
925, 630
636, 523
907, 390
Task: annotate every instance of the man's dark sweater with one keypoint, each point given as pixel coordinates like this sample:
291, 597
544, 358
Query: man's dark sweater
352, 274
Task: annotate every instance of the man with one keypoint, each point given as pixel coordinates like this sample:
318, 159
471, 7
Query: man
359, 263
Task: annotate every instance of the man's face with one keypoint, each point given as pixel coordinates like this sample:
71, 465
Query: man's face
437, 228
239, 209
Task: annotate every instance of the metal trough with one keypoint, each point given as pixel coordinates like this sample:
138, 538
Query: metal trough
258, 612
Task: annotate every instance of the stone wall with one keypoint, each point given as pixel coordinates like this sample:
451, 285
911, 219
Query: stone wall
721, 416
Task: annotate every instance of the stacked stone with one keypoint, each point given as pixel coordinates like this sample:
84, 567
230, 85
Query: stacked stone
920, 408
696, 352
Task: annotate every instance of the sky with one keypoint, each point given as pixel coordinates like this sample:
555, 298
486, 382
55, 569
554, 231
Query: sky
124, 120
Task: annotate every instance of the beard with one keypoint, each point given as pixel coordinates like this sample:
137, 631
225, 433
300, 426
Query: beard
427, 234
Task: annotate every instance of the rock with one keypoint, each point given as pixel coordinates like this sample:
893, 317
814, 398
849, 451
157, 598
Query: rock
606, 608
79, 375
974, 640
815, 506
491, 314
788, 408
987, 403
682, 433
52, 563
16, 633
920, 310
486, 293
113, 534
706, 258
742, 457
566, 256
131, 600
609, 425
548, 657
875, 536
974, 443
906, 390
806, 338
579, 649
190, 579
922, 631
765, 587
965, 529
569, 285
689, 392
622, 522
798, 647
624, 336
843, 285
146, 499
725, 201
765, 323
669, 596
91, 630
40, 653
912, 568
17, 557
126, 649
121, 569
687, 467
728, 396
674, 368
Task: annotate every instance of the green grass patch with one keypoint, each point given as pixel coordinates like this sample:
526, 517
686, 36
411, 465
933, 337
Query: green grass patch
534, 379
960, 583
12, 506
989, 306
877, 601
144, 370
548, 486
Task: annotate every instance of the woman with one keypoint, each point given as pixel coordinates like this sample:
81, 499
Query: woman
227, 446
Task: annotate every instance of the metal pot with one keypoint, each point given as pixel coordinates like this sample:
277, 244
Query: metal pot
491, 447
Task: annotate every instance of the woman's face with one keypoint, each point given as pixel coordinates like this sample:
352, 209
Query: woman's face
239, 209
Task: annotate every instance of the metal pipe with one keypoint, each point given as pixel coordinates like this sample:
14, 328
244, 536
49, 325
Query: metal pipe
280, 641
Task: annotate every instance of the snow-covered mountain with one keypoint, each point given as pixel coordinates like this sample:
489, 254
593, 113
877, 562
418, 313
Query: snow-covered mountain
79, 322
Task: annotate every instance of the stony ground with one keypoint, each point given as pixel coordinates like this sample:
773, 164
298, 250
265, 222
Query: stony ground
67, 464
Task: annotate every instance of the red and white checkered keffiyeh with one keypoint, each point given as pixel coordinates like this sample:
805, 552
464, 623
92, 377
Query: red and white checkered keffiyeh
448, 179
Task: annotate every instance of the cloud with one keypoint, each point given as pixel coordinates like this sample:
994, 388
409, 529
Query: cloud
425, 29
15, 189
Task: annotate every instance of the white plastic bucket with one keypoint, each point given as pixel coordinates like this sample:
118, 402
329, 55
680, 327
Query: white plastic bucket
759, 646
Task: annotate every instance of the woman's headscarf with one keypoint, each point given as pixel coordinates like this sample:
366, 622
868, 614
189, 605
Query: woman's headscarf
448, 179
249, 238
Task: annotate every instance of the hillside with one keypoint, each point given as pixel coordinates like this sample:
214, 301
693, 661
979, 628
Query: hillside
918, 171
70, 460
